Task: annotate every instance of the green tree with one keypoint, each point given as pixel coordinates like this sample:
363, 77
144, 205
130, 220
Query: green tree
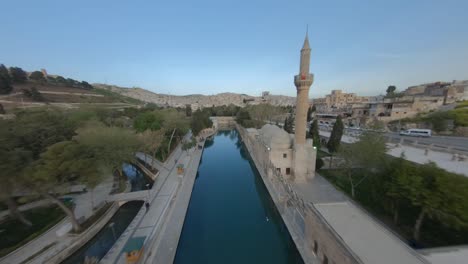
152, 141
391, 90
5, 80
112, 145
36, 95
37, 76
399, 174
37, 129
148, 120
86, 85
188, 110
200, 120
18, 75
288, 124
369, 153
60, 80
14, 160
176, 124
309, 113
438, 195
335, 138
314, 134
62, 164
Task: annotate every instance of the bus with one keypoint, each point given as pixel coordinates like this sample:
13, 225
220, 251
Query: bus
414, 132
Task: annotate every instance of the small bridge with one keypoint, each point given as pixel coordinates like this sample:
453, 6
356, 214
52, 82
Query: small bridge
152, 161
129, 196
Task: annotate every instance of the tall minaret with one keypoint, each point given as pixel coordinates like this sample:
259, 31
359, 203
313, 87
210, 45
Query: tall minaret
303, 81
304, 154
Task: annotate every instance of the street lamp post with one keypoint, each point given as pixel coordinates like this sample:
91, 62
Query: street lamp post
147, 187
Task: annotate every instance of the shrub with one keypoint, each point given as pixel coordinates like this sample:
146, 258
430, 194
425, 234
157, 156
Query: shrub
318, 164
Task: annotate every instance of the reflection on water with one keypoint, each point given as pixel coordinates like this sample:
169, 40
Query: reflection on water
231, 217
137, 178
101, 243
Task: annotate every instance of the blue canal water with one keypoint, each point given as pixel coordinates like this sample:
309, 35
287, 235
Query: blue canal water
137, 178
103, 241
231, 217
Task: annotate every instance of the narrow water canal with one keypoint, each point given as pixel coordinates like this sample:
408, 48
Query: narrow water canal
103, 241
231, 217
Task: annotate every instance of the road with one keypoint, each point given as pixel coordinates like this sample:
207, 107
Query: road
444, 141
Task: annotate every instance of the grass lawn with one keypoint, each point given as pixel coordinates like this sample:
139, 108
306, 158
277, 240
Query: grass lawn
14, 234
433, 233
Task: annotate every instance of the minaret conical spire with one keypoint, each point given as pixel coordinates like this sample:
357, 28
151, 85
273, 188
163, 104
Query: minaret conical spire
306, 45
305, 56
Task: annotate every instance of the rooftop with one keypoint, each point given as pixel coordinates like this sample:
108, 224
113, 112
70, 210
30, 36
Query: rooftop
369, 239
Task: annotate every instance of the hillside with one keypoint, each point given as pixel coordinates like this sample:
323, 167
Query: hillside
60, 95
197, 100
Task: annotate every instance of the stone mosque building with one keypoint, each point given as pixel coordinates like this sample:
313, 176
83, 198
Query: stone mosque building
292, 155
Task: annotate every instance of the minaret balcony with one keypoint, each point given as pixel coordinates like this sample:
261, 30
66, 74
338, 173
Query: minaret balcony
303, 80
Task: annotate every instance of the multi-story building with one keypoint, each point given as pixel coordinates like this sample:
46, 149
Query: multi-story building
338, 101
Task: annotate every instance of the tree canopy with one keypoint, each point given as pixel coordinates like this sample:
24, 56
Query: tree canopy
200, 120
314, 134
5, 80
37, 76
18, 75
335, 138
289, 124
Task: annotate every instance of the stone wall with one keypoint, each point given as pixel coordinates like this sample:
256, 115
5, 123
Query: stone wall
324, 243
303, 221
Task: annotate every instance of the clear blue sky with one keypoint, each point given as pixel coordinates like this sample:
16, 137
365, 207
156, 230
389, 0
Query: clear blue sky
239, 46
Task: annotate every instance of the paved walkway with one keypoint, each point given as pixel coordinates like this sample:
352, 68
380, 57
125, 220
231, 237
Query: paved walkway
159, 222
57, 235
442, 159
26, 207
417, 155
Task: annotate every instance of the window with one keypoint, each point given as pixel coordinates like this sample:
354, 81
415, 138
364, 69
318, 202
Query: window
278, 169
288, 171
285, 155
315, 246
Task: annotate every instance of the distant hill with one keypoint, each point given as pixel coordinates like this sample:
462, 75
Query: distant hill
61, 95
197, 100
28, 89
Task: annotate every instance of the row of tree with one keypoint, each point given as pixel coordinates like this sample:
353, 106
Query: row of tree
45, 151
17, 75
396, 184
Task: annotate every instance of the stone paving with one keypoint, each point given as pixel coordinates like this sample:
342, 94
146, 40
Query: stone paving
163, 220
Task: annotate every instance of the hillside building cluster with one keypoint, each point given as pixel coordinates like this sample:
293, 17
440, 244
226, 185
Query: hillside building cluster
416, 99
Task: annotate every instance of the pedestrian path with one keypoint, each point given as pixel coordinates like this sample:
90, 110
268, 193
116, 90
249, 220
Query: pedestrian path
57, 236
418, 155
151, 222
26, 207
444, 160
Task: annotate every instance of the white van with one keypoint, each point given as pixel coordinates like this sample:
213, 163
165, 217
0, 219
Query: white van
414, 132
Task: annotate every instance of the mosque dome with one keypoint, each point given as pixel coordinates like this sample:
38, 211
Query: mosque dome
275, 137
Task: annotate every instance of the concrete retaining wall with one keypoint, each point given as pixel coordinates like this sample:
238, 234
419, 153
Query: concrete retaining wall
61, 254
